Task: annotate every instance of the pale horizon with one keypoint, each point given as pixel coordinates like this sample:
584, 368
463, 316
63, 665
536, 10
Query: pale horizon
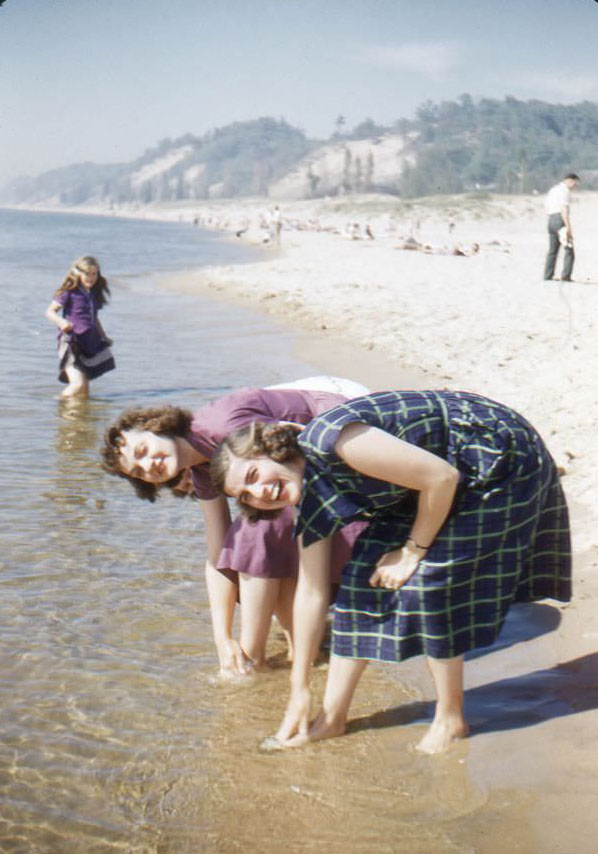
103, 82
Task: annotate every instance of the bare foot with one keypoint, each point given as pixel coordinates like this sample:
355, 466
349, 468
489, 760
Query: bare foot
261, 667
319, 730
272, 743
324, 727
231, 676
442, 734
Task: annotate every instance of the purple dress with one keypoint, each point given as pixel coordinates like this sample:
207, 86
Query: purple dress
265, 549
84, 345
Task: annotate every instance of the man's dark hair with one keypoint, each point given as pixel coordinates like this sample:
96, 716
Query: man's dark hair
571, 176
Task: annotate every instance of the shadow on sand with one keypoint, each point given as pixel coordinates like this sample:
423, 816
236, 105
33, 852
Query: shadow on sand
568, 688
524, 622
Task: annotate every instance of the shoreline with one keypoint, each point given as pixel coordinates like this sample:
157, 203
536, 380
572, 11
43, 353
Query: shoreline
487, 323
520, 760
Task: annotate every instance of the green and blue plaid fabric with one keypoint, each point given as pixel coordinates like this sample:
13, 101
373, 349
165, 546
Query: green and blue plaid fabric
506, 539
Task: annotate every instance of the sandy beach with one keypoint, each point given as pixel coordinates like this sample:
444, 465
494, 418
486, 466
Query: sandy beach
389, 316
488, 323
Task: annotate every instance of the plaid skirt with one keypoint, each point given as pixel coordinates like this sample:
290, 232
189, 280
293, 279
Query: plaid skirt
495, 550
506, 539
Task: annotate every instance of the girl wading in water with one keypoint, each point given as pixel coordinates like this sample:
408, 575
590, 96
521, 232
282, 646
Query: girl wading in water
257, 564
83, 347
466, 516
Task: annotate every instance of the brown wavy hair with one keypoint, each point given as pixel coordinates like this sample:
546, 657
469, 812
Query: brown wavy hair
100, 290
277, 441
163, 421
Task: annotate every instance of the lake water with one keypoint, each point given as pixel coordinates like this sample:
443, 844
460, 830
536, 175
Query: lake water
114, 734
105, 648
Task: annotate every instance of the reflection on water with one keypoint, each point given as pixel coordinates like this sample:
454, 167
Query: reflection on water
104, 656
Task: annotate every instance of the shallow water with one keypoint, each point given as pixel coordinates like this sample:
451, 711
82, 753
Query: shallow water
105, 646
115, 736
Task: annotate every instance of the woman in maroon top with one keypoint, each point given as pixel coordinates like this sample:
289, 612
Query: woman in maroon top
157, 448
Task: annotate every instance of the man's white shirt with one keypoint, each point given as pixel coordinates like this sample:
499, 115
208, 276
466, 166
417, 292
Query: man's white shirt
557, 198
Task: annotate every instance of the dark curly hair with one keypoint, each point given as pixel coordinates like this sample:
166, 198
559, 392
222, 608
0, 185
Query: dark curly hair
277, 441
161, 420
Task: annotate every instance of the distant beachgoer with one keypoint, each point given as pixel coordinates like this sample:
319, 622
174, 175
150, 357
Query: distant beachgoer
83, 347
415, 227
466, 251
558, 203
256, 564
466, 516
411, 244
369, 233
275, 225
242, 228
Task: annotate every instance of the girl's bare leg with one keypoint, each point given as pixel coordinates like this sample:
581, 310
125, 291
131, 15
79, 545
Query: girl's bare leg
259, 597
78, 383
343, 676
449, 723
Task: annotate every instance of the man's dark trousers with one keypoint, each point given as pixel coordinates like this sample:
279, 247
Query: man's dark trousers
555, 223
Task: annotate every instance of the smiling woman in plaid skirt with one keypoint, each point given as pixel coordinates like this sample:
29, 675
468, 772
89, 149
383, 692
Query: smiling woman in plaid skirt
466, 516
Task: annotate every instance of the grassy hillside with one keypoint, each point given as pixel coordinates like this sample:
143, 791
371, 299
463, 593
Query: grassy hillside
507, 146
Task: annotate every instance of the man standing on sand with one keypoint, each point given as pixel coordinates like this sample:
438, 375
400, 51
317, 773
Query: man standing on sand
558, 202
275, 225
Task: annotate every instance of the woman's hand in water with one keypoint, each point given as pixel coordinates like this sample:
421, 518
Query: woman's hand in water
233, 661
394, 569
294, 730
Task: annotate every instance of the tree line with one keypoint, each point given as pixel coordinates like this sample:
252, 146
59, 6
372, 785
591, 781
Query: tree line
504, 146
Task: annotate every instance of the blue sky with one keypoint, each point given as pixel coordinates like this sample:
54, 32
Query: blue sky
102, 80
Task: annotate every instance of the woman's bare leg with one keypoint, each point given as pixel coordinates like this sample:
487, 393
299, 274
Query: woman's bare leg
343, 676
78, 382
449, 723
259, 597
283, 611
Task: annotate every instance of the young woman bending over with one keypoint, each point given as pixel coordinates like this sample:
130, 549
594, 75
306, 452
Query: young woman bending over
465, 516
